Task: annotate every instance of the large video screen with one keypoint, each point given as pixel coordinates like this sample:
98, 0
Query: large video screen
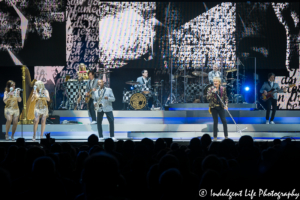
32, 32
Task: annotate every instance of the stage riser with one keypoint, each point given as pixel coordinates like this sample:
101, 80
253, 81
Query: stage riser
182, 117
204, 106
171, 114
187, 120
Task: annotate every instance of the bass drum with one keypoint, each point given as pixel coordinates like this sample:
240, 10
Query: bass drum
205, 92
138, 101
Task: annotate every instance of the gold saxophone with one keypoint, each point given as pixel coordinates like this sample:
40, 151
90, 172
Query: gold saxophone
98, 104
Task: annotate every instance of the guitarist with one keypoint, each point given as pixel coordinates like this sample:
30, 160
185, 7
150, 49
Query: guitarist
104, 97
266, 87
91, 86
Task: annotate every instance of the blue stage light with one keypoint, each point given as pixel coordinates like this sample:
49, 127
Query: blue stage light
131, 87
247, 88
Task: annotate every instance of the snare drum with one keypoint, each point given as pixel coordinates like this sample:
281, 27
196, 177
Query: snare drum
146, 91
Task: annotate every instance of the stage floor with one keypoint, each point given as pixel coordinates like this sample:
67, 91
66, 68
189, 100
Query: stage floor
179, 125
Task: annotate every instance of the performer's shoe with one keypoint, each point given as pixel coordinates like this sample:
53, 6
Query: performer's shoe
113, 138
12, 138
93, 122
226, 137
267, 122
33, 138
215, 139
6, 137
271, 122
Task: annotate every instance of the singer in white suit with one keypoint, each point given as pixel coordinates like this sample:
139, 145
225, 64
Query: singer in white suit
103, 98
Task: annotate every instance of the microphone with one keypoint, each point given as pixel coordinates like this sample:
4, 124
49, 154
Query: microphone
19, 89
214, 87
11, 89
34, 88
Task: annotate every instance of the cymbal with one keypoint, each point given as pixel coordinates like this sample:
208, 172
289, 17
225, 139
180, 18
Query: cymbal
107, 72
132, 83
156, 85
188, 76
176, 76
199, 73
231, 70
231, 79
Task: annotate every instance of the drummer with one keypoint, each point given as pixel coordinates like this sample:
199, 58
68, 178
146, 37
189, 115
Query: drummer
144, 80
145, 83
215, 72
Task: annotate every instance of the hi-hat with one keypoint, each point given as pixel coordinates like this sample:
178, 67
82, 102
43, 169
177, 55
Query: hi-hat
187, 76
107, 72
231, 79
156, 85
199, 73
132, 83
231, 70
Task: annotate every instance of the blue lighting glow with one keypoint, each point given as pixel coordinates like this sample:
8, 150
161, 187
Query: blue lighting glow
247, 88
207, 108
131, 87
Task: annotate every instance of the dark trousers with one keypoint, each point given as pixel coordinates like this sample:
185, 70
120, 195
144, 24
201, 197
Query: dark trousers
110, 118
270, 102
221, 112
92, 109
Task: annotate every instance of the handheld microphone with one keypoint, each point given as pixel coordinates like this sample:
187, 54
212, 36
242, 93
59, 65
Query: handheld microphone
34, 88
19, 89
11, 89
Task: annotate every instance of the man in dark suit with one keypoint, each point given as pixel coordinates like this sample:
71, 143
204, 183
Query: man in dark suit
92, 84
267, 86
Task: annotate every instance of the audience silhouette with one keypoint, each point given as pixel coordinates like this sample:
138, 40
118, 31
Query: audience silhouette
147, 169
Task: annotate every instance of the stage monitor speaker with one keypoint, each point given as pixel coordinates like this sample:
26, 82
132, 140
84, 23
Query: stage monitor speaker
53, 119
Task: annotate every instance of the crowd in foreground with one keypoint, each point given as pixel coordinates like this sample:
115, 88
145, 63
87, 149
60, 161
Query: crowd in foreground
147, 169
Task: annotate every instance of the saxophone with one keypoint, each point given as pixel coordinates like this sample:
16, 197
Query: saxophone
98, 104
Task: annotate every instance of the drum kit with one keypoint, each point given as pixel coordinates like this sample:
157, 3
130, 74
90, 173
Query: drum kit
75, 89
138, 98
196, 91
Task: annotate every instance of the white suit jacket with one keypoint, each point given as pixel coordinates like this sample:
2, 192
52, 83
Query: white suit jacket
106, 103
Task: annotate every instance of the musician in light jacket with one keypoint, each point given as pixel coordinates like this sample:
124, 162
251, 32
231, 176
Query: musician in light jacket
104, 97
267, 86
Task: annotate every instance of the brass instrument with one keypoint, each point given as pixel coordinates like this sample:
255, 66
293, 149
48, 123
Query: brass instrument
98, 104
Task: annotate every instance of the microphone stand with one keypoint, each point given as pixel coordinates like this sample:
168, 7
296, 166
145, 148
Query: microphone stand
161, 95
237, 127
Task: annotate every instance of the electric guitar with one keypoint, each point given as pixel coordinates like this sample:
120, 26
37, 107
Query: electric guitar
272, 92
88, 97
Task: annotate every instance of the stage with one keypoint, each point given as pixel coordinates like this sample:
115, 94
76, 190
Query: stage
181, 125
